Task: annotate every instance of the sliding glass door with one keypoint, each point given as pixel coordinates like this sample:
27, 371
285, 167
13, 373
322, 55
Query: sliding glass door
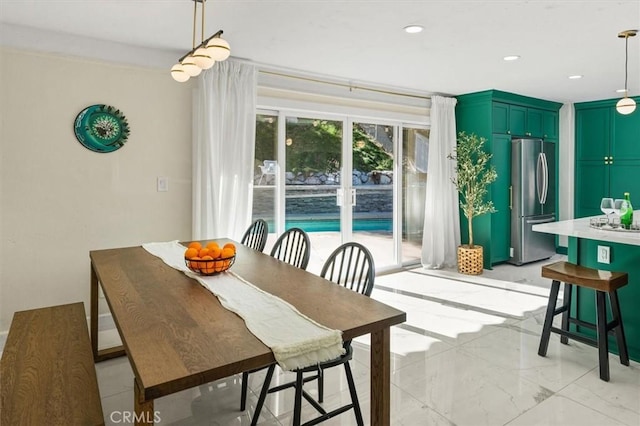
372, 188
341, 185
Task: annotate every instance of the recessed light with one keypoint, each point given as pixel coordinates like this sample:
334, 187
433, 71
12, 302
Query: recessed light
511, 58
575, 77
413, 29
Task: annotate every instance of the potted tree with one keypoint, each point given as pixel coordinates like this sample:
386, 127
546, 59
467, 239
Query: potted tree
473, 176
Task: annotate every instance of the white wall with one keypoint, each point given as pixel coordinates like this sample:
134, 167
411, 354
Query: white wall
59, 200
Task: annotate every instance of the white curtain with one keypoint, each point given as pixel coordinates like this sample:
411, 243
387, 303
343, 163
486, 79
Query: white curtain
223, 150
441, 235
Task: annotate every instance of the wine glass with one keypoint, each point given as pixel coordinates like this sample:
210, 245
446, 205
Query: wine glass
607, 206
617, 206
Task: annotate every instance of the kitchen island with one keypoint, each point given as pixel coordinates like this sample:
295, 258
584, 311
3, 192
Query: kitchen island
585, 243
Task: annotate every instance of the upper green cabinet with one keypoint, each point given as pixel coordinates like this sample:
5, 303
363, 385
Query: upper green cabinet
498, 117
607, 155
518, 120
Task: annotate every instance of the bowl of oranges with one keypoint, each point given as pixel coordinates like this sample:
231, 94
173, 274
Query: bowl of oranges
210, 258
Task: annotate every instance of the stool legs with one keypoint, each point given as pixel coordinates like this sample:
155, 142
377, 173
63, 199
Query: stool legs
566, 301
620, 339
603, 341
548, 318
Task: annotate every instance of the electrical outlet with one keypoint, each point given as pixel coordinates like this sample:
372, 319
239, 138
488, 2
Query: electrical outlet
604, 254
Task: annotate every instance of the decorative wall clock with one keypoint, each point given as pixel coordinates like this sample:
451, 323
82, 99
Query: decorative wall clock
101, 128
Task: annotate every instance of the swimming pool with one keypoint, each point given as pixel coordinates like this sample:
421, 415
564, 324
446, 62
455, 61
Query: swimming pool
326, 225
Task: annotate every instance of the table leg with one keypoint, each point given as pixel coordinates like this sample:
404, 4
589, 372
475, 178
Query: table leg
104, 354
381, 378
144, 414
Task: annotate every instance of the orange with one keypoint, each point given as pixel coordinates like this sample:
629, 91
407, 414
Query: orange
212, 244
196, 245
193, 264
208, 266
190, 253
227, 252
219, 266
215, 252
203, 252
231, 246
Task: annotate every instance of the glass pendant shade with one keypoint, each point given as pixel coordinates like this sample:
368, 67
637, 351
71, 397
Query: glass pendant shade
179, 74
626, 106
202, 58
190, 67
218, 49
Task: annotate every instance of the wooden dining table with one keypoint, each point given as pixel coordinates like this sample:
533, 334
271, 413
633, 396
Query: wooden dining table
177, 335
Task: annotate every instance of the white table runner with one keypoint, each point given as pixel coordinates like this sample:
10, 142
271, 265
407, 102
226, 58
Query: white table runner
296, 340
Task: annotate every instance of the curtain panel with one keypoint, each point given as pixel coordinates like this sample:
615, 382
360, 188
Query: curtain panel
223, 150
441, 235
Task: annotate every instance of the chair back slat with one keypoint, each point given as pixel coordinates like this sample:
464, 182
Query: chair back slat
293, 247
351, 265
256, 235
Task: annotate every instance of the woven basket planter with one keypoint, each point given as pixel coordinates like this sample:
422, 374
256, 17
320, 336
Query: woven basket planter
470, 259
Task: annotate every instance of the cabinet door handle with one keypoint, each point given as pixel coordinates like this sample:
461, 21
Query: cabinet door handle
528, 133
508, 132
610, 160
511, 197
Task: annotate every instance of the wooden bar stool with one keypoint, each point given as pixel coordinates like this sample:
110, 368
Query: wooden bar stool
603, 282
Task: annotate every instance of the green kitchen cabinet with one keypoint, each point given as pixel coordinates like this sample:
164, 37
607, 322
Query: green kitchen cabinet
518, 120
498, 117
607, 155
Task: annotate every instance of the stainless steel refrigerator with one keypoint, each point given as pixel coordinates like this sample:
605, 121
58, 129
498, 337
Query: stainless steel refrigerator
533, 199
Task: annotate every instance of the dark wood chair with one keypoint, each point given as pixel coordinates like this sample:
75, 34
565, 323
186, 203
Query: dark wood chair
293, 247
256, 235
350, 265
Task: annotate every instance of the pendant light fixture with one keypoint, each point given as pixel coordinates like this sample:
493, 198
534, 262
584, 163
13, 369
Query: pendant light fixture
202, 56
626, 105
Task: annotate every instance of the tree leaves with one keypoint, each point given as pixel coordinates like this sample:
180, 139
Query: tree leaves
474, 174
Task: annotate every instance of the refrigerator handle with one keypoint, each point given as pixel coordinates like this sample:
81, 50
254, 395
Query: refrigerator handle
539, 177
545, 178
545, 220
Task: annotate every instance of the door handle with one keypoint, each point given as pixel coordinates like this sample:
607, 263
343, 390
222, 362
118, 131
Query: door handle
353, 197
536, 221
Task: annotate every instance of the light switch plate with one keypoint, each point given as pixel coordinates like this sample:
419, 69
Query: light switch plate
604, 254
163, 184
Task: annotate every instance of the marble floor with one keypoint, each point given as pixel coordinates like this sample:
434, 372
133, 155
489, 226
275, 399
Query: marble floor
467, 355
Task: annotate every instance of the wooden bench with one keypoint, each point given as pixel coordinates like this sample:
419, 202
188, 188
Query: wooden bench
604, 283
47, 374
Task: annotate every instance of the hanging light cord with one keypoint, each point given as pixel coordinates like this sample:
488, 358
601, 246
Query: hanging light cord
626, 63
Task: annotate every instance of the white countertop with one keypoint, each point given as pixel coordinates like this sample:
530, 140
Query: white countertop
580, 228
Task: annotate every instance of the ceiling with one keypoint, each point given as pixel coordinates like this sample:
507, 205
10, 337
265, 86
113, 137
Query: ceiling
460, 50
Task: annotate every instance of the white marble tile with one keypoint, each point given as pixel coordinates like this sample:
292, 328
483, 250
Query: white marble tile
517, 352
114, 376
405, 411
468, 390
619, 398
407, 347
501, 301
562, 411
